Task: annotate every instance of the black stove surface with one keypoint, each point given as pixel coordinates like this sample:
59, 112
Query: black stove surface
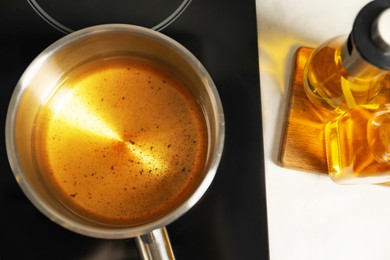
230, 221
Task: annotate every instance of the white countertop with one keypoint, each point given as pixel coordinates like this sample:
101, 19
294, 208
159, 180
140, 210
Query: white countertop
309, 216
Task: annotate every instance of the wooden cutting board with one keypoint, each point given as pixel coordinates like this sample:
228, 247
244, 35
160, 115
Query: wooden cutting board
302, 144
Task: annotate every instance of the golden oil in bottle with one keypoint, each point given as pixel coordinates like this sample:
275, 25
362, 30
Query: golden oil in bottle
329, 84
348, 71
358, 145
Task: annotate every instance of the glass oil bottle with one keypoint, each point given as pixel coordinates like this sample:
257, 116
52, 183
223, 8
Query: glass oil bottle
358, 145
347, 71
346, 76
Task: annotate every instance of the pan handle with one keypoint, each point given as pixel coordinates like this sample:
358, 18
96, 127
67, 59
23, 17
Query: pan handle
155, 245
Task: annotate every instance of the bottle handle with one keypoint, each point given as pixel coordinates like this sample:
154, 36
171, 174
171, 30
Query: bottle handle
155, 245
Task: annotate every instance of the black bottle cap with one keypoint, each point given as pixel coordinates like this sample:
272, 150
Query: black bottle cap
365, 35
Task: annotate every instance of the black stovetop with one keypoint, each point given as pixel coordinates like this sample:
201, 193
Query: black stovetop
230, 221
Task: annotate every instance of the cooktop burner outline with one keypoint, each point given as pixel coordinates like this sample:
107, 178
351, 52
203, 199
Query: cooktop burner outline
64, 29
